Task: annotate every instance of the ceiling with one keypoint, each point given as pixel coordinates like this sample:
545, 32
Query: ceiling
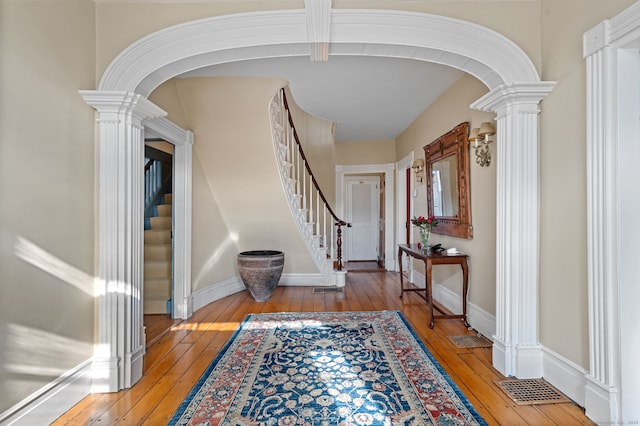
369, 98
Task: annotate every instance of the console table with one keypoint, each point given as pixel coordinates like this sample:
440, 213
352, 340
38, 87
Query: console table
431, 258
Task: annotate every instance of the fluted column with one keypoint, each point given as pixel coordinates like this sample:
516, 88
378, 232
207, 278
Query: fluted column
602, 388
120, 342
516, 349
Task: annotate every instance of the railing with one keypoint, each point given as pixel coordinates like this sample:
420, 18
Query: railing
152, 182
312, 200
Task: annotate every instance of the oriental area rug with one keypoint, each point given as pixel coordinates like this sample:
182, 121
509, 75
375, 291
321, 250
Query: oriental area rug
338, 369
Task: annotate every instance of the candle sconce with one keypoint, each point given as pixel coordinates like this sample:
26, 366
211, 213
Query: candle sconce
479, 137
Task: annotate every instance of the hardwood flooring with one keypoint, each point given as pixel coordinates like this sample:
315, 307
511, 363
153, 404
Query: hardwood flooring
176, 360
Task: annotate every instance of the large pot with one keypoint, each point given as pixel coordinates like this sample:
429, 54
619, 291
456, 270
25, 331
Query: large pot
260, 271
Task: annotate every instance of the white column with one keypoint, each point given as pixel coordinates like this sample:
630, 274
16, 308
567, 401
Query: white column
602, 389
121, 339
182, 183
516, 349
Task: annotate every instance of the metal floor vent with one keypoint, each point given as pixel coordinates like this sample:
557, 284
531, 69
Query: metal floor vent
471, 341
531, 391
327, 290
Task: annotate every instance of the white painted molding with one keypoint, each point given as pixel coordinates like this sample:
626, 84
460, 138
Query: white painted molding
517, 351
182, 209
401, 206
120, 345
478, 318
304, 280
202, 297
53, 400
268, 34
318, 13
613, 380
565, 375
388, 169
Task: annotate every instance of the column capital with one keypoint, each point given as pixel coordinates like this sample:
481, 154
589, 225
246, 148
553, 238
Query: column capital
120, 102
525, 94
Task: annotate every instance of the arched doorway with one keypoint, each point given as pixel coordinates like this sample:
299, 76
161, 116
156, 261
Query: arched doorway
515, 92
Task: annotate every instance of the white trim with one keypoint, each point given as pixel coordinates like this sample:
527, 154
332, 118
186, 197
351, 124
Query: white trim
401, 201
53, 400
120, 343
388, 169
304, 280
517, 351
565, 375
613, 380
202, 297
182, 214
478, 318
268, 34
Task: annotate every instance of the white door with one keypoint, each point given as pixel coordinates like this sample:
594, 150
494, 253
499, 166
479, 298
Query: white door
363, 207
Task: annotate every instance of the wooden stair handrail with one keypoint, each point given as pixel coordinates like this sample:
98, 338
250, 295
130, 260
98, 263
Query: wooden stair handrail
339, 222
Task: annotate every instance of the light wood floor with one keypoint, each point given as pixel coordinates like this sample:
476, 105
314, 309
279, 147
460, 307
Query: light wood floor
175, 361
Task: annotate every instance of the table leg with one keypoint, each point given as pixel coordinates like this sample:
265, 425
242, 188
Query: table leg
401, 280
465, 289
428, 266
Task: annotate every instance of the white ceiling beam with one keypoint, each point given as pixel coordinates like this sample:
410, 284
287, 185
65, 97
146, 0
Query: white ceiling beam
318, 13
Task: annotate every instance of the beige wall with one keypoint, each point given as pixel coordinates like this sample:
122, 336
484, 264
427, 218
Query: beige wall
47, 215
238, 200
451, 109
316, 137
366, 152
563, 221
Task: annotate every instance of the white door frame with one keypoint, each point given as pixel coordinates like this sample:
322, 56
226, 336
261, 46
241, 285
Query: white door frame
341, 202
347, 236
515, 90
611, 50
401, 200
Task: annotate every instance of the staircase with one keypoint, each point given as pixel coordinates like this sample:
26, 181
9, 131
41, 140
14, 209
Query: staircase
158, 259
318, 225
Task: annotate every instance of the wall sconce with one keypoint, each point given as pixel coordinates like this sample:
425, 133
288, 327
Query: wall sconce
480, 138
418, 168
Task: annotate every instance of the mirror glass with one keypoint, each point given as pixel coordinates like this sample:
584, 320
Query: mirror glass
444, 178
448, 187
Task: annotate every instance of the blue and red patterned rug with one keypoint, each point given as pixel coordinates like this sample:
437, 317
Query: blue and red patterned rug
339, 368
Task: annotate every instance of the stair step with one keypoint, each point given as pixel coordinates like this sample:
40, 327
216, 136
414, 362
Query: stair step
155, 306
161, 222
168, 198
157, 269
157, 288
157, 252
155, 236
164, 210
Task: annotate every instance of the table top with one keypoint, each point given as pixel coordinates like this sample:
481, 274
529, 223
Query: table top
424, 254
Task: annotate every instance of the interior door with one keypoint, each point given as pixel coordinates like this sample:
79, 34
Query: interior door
363, 214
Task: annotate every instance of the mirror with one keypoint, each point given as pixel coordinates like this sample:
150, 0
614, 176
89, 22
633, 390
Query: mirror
448, 187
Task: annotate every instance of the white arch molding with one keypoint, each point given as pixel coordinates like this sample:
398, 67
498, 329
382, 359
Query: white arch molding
515, 92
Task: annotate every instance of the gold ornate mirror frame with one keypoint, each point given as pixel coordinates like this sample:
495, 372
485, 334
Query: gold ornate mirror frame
448, 186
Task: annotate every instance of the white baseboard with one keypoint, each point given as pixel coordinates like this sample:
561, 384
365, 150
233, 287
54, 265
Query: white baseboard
479, 319
562, 373
202, 297
303, 280
53, 400
565, 375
